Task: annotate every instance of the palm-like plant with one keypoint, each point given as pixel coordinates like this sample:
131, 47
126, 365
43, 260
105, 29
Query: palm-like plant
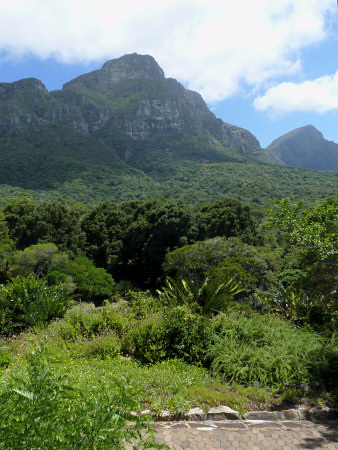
212, 296
296, 304
29, 301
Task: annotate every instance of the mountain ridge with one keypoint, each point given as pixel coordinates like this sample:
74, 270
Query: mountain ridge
304, 147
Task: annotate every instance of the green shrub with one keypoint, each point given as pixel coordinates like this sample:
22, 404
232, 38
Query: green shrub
38, 409
316, 309
146, 340
211, 296
171, 333
29, 301
187, 335
142, 304
92, 284
6, 357
270, 351
101, 346
87, 321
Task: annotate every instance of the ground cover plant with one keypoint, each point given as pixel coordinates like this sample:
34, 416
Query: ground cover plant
41, 408
272, 352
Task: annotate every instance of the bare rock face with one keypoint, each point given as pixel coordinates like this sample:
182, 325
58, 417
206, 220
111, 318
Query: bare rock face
128, 67
128, 99
133, 96
19, 103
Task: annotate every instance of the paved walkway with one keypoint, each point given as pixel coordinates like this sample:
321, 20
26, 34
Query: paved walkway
254, 435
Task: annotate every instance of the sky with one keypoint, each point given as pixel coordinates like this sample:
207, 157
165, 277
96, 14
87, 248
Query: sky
266, 65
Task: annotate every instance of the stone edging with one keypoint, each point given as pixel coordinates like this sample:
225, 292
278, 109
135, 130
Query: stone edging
224, 413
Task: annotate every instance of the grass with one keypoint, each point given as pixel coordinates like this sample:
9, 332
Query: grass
168, 385
46, 404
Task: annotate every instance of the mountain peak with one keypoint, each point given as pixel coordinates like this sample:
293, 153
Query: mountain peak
132, 66
304, 147
26, 84
309, 130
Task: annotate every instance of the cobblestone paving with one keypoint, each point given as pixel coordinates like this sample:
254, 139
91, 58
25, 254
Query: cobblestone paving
253, 435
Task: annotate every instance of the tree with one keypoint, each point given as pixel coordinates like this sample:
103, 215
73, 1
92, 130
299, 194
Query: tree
3, 226
314, 234
37, 259
314, 230
92, 284
6, 250
58, 222
223, 257
226, 217
104, 227
156, 227
51, 222
21, 219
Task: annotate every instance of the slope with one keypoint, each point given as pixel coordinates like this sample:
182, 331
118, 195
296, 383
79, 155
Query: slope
304, 147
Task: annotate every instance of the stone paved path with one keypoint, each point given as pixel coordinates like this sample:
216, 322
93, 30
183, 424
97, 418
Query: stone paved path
254, 435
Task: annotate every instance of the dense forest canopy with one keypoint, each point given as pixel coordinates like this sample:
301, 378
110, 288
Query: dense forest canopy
142, 242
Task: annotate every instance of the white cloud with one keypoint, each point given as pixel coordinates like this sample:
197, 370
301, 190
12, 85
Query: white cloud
215, 46
319, 95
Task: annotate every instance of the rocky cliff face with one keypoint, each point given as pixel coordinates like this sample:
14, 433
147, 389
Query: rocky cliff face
135, 97
130, 98
128, 67
19, 105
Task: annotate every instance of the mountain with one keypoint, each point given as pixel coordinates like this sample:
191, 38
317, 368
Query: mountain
126, 131
304, 147
126, 113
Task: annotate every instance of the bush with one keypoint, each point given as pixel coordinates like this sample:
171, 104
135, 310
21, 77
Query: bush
172, 333
221, 258
6, 356
271, 351
93, 284
29, 301
38, 409
87, 321
101, 346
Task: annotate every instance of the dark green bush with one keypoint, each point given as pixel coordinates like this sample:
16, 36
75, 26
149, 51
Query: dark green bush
172, 333
92, 284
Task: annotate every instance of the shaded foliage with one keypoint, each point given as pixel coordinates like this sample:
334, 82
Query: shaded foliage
226, 217
88, 283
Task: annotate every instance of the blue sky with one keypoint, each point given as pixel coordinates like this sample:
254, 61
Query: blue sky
268, 66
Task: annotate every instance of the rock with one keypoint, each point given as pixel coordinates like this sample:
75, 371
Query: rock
291, 414
164, 416
304, 413
167, 416
305, 388
195, 414
222, 412
263, 415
